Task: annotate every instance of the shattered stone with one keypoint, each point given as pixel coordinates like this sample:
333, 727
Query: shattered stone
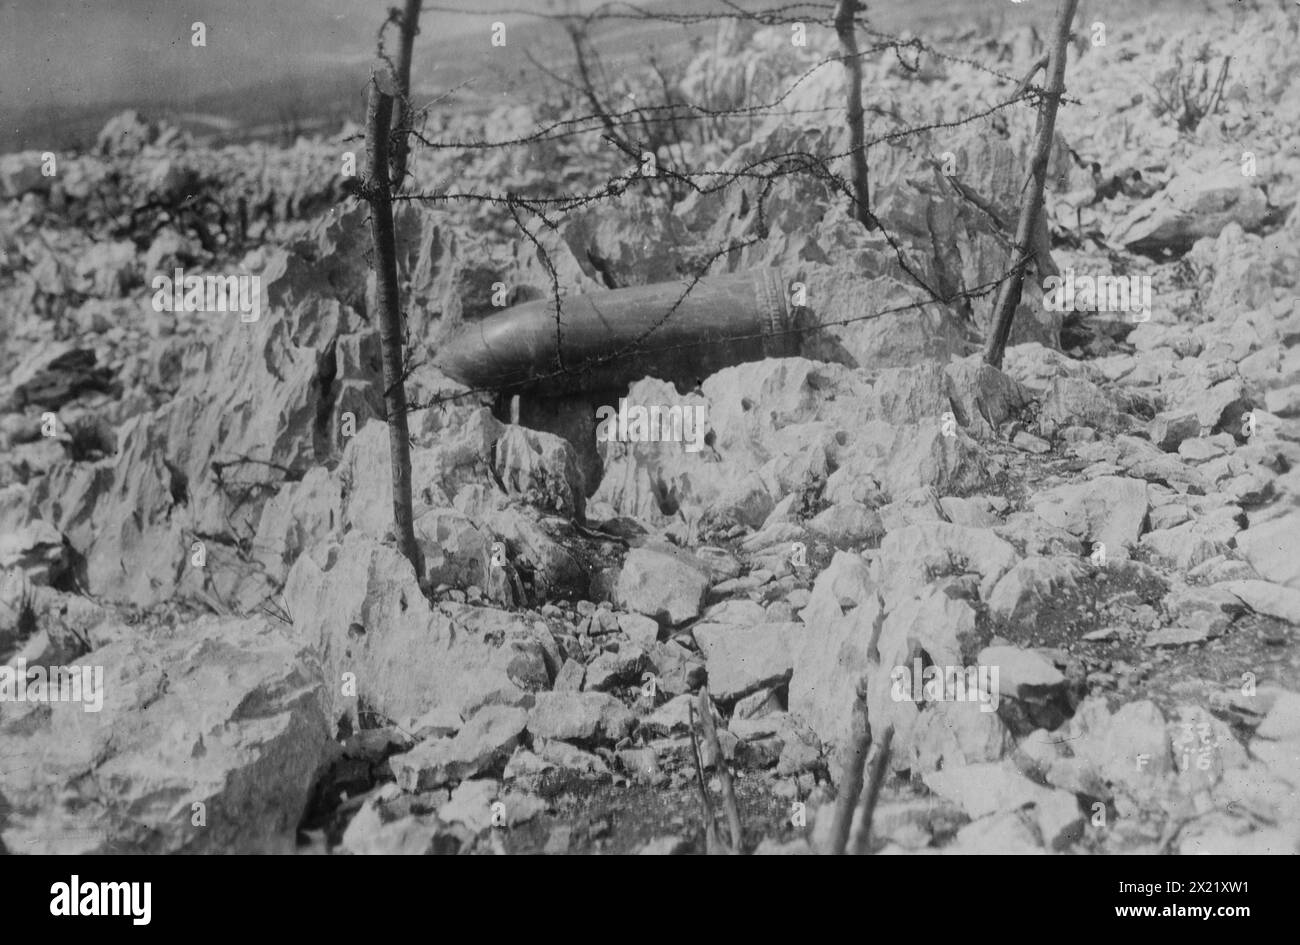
1129, 749
641, 763
470, 805
848, 524
1270, 548
1187, 545
37, 550
949, 734
1193, 205
668, 586
579, 716
153, 749
1075, 402
570, 677
1023, 674
1169, 430
1178, 636
985, 788
375, 831
365, 610
677, 670
911, 556
480, 747
1264, 597
610, 670
1033, 585
741, 660
641, 630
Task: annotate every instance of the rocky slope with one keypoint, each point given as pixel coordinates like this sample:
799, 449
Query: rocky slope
199, 505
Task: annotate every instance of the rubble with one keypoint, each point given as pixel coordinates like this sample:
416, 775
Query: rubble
1114, 505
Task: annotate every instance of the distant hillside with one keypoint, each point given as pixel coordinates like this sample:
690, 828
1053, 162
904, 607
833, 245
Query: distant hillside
281, 68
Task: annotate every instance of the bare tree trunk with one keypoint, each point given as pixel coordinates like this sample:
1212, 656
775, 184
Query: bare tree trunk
402, 126
1022, 251
844, 29
379, 113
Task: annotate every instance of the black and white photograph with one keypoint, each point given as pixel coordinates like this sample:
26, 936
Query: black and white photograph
725, 427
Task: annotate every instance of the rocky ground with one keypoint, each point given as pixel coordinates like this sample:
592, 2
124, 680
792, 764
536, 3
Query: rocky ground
201, 505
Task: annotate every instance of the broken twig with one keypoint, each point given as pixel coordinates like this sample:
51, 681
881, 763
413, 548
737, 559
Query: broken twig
712, 844
724, 773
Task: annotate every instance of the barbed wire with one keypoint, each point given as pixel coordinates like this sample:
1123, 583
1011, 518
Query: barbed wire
766, 170
700, 112
775, 16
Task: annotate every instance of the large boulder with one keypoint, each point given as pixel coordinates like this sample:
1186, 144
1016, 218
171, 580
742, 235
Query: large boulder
1192, 206
203, 738
579, 717
1111, 510
770, 429
979, 397
831, 654
255, 408
743, 659
663, 583
1270, 547
359, 605
912, 556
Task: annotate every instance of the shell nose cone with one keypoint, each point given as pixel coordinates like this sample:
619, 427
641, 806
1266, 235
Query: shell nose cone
458, 357
501, 351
